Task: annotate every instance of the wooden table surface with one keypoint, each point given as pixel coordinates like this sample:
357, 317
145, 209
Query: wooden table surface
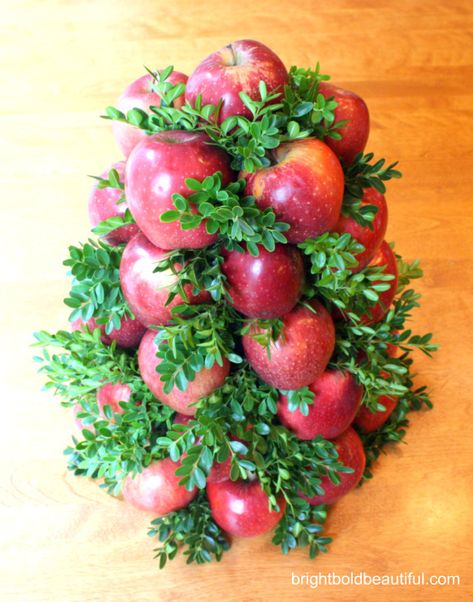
61, 64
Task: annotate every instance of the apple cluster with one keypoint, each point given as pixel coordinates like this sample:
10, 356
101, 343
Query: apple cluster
302, 182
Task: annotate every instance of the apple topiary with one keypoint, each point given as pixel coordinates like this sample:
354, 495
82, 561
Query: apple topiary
239, 321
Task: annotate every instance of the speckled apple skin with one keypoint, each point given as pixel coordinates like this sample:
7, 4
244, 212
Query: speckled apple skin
304, 188
111, 394
146, 291
156, 169
206, 381
139, 95
355, 134
337, 399
127, 336
371, 421
156, 489
351, 453
241, 508
370, 237
301, 352
238, 67
103, 205
267, 286
384, 256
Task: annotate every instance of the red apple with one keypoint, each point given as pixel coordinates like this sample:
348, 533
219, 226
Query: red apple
103, 205
266, 286
139, 95
145, 290
241, 507
353, 109
384, 257
107, 395
371, 421
156, 489
352, 454
337, 399
206, 380
301, 352
372, 236
127, 336
238, 67
156, 169
181, 418
304, 187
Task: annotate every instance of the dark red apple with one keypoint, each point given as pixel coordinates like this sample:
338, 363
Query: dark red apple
156, 169
384, 256
103, 205
206, 381
352, 454
266, 286
139, 95
127, 336
371, 421
145, 290
238, 67
156, 489
372, 236
337, 399
304, 187
301, 352
355, 134
241, 507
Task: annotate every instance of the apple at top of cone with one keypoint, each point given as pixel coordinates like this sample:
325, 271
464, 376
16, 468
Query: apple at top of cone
353, 109
156, 169
351, 453
384, 256
266, 286
127, 336
140, 95
337, 399
103, 205
156, 489
241, 507
235, 68
304, 187
147, 291
301, 352
371, 236
205, 381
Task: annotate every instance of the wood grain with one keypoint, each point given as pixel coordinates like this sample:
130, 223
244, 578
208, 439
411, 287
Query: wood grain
62, 62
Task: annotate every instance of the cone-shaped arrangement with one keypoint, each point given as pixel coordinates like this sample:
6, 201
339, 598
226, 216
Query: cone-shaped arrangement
238, 354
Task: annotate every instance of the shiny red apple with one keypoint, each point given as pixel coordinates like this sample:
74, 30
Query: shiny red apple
103, 205
384, 256
371, 421
300, 354
147, 291
156, 169
241, 507
355, 134
109, 394
266, 286
304, 187
371, 236
352, 454
156, 489
238, 67
337, 399
206, 380
140, 95
127, 336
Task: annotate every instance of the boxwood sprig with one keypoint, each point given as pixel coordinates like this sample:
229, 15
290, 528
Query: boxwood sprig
191, 529
226, 211
96, 292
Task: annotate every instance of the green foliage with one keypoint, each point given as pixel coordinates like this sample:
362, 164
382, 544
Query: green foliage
299, 399
225, 211
191, 528
95, 291
300, 527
